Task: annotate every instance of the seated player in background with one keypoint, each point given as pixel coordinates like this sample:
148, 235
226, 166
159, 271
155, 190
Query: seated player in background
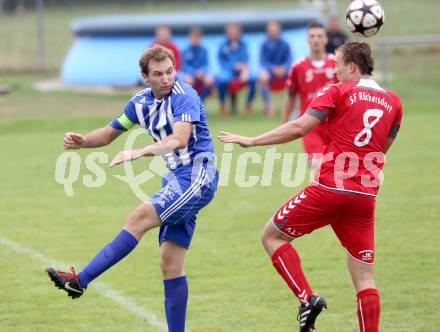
363, 120
306, 78
233, 59
164, 38
275, 59
195, 65
173, 114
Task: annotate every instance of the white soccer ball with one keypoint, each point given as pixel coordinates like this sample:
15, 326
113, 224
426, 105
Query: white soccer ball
364, 17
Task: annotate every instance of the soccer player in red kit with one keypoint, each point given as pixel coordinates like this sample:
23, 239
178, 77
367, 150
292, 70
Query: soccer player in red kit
306, 78
363, 121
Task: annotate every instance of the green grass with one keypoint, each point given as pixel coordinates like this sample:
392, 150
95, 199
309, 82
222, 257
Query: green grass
233, 286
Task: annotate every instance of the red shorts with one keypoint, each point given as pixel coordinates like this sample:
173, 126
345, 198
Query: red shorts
350, 215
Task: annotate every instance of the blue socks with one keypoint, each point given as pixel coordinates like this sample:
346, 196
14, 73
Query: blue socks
112, 253
176, 290
176, 297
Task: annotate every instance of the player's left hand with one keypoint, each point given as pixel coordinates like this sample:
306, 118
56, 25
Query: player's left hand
128, 155
243, 141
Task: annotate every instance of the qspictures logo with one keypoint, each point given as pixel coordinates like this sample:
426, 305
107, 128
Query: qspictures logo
244, 168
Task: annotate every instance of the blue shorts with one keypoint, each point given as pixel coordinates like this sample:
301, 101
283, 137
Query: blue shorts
185, 191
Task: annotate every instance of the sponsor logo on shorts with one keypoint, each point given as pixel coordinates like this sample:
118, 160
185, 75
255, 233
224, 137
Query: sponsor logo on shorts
366, 255
293, 232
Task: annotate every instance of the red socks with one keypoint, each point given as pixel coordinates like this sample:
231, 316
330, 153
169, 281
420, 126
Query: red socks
288, 264
368, 310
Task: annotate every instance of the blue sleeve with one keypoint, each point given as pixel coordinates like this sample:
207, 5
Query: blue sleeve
264, 60
187, 65
204, 60
186, 108
223, 58
127, 119
244, 56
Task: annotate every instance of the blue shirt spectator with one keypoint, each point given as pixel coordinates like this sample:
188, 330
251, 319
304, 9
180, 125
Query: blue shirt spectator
232, 53
195, 65
275, 52
275, 58
233, 58
195, 58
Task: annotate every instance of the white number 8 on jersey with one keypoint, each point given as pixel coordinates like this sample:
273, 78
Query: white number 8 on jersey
377, 114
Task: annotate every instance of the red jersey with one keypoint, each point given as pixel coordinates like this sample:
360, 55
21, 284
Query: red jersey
361, 116
307, 78
173, 48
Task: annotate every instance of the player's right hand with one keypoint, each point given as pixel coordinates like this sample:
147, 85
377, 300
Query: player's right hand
243, 141
73, 141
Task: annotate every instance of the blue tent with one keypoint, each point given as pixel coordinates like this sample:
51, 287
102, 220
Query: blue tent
107, 49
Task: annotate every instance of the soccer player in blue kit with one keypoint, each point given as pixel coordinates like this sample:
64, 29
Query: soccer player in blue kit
173, 114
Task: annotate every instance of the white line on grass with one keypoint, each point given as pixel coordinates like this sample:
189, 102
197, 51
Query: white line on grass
127, 303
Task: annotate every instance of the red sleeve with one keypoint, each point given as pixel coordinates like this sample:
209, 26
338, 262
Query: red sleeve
176, 54
292, 80
177, 58
173, 48
324, 102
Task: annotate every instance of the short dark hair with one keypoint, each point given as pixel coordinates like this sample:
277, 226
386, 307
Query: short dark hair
156, 53
360, 54
316, 24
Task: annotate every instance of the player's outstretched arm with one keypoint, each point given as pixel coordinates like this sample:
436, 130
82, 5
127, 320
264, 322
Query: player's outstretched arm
178, 140
284, 133
99, 137
244, 141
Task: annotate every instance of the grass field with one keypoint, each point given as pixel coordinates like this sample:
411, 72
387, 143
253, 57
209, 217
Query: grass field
233, 286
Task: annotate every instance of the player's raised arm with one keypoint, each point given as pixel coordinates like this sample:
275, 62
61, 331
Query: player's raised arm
96, 138
284, 133
176, 141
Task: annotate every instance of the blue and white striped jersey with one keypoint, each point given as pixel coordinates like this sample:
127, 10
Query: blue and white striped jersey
158, 118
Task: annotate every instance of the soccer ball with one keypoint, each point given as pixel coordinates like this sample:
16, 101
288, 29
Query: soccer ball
364, 17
